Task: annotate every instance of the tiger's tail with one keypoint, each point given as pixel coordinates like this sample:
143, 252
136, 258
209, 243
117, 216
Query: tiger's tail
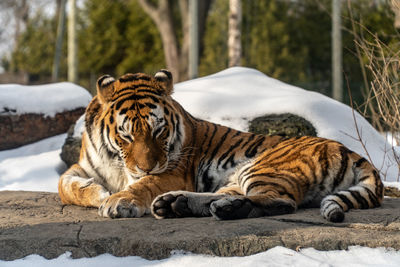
367, 192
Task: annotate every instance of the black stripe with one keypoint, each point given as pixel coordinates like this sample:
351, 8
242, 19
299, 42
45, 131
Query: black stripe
169, 75
208, 145
273, 175
223, 156
166, 111
297, 170
135, 97
207, 181
323, 159
102, 78
310, 163
294, 145
93, 168
251, 137
372, 197
135, 89
202, 145
345, 200
360, 162
378, 184
157, 131
177, 126
219, 145
149, 91
363, 178
275, 186
134, 77
252, 149
123, 111
332, 203
139, 96
231, 161
360, 199
343, 167
150, 105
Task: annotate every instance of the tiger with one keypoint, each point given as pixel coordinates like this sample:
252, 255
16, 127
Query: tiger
143, 153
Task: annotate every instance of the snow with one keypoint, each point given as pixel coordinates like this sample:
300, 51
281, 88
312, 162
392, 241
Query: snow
47, 99
34, 167
231, 97
277, 256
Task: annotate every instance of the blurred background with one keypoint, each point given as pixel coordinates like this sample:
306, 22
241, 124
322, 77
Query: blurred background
294, 41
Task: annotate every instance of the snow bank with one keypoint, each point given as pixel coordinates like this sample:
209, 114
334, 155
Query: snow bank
277, 256
237, 95
47, 99
34, 167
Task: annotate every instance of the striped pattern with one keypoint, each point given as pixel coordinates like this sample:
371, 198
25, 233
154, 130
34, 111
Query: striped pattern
139, 144
310, 171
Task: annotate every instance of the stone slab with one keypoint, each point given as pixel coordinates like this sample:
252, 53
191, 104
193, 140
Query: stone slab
37, 223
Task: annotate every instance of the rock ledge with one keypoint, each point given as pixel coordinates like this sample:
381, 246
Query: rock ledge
37, 223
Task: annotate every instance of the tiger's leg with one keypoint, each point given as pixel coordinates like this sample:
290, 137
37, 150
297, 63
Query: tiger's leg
366, 193
179, 204
75, 187
262, 196
240, 207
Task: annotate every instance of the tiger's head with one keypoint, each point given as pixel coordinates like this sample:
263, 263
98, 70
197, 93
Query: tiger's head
140, 122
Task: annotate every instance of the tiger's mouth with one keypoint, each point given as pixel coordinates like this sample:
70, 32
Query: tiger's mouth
138, 173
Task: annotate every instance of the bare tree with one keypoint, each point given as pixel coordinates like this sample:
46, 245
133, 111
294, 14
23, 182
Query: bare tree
72, 43
59, 40
337, 80
235, 21
176, 55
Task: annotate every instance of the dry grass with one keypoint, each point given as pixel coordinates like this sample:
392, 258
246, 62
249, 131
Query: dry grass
380, 64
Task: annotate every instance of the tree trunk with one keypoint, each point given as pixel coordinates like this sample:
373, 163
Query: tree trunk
235, 21
176, 56
162, 17
193, 38
396, 10
184, 52
72, 43
59, 40
337, 80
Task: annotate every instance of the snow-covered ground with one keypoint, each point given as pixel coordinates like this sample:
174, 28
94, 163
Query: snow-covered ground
231, 97
277, 256
33, 167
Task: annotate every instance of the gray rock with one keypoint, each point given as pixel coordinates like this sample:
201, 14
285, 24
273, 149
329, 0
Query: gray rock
71, 148
287, 125
37, 223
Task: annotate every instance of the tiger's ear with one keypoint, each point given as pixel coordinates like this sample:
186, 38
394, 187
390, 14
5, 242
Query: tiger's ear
105, 88
164, 78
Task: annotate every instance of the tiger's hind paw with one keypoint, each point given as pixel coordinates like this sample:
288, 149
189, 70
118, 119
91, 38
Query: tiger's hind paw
171, 206
232, 208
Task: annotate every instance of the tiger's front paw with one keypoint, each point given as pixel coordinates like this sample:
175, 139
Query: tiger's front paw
120, 205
